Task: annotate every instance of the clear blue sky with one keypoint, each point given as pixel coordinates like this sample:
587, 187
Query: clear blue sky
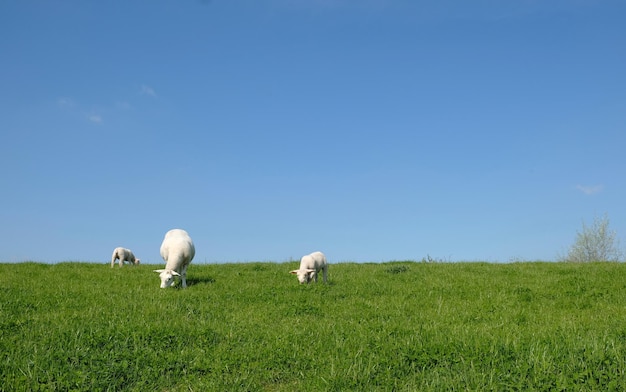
371, 130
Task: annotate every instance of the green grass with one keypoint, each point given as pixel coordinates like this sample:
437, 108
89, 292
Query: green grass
375, 327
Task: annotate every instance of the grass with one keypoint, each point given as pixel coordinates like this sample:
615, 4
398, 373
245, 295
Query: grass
399, 326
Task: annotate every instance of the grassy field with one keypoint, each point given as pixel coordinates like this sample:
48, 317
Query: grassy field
397, 326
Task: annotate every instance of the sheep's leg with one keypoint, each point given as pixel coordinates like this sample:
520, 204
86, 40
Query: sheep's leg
113, 258
183, 277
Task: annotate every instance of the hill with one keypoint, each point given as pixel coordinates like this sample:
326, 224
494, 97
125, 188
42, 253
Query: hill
400, 326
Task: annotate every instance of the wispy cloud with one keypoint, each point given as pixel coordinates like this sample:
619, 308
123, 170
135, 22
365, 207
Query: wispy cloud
123, 105
419, 11
65, 103
147, 90
95, 118
332, 4
74, 108
94, 113
590, 190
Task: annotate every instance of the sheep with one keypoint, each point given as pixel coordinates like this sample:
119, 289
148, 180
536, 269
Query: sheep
310, 265
177, 250
123, 255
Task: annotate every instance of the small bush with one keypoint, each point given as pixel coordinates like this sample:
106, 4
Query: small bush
397, 269
595, 243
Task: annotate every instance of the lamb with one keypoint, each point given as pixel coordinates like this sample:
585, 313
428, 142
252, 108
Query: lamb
177, 250
310, 265
123, 255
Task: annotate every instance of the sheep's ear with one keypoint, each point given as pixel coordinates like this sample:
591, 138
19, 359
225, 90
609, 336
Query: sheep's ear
175, 273
293, 272
158, 271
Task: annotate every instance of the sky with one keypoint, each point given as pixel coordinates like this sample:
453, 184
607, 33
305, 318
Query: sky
371, 130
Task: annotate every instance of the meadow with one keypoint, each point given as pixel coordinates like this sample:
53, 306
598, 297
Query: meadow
396, 326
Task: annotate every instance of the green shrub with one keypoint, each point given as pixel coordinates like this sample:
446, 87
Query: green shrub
595, 243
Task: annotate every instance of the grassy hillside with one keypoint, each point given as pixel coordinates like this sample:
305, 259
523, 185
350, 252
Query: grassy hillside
393, 326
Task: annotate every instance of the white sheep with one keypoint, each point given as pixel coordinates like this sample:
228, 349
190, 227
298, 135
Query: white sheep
310, 265
177, 250
123, 255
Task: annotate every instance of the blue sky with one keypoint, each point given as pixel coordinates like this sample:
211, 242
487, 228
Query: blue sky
372, 130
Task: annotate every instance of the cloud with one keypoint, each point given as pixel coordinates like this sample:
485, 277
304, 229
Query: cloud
590, 190
334, 4
147, 90
123, 105
94, 113
65, 103
72, 108
95, 118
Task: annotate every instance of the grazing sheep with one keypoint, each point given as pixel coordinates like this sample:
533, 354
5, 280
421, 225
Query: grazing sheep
123, 255
177, 250
310, 265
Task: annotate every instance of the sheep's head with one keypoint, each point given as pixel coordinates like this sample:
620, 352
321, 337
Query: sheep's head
167, 277
137, 261
304, 275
